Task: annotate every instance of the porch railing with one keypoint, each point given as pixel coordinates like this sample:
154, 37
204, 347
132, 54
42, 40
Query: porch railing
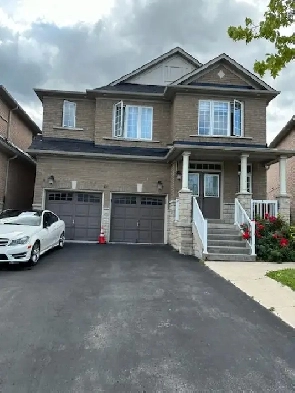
201, 224
260, 208
243, 221
177, 210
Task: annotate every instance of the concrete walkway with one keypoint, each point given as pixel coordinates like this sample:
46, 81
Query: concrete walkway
250, 278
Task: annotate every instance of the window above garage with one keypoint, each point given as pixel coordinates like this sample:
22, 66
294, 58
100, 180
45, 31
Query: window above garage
132, 122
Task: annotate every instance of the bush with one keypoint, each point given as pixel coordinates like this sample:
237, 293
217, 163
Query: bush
273, 239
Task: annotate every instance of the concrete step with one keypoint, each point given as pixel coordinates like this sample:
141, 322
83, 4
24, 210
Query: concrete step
224, 236
226, 243
230, 257
223, 231
215, 221
221, 226
228, 250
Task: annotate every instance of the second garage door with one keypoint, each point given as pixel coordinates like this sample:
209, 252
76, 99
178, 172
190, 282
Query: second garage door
81, 213
137, 219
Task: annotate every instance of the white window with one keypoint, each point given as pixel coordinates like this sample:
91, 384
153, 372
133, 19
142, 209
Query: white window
249, 177
69, 114
132, 122
221, 118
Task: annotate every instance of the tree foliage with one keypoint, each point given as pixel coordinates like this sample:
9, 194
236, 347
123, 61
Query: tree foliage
278, 20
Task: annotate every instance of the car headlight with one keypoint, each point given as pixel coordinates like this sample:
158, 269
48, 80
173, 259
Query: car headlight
22, 240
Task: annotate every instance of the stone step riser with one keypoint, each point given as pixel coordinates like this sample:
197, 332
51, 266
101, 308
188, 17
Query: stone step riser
227, 243
230, 258
225, 237
229, 250
222, 231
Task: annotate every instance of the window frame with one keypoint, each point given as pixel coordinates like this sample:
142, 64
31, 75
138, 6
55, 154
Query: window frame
229, 120
124, 119
71, 107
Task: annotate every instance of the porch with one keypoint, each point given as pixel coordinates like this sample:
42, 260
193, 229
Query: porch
217, 196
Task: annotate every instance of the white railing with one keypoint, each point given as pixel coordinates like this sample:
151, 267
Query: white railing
244, 222
176, 209
260, 208
201, 224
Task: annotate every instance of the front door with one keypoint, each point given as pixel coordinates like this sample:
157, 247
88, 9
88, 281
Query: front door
205, 187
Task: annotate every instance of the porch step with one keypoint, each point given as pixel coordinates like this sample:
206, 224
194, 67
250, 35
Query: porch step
229, 230
224, 236
228, 250
230, 257
215, 221
232, 241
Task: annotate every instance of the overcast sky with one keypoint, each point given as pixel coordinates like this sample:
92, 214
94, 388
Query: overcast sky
63, 44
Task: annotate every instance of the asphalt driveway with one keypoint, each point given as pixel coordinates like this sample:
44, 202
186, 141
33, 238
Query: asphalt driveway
95, 318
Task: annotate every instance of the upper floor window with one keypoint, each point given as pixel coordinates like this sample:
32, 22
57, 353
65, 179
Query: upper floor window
221, 118
69, 114
132, 122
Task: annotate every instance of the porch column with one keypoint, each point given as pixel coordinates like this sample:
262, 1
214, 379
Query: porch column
284, 200
243, 195
243, 175
283, 183
185, 165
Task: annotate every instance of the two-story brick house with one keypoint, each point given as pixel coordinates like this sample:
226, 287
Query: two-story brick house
284, 140
129, 154
17, 168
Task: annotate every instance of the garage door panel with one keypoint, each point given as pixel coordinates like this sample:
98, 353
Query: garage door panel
80, 211
133, 217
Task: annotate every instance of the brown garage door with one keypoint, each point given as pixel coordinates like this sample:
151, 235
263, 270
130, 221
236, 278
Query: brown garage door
81, 213
137, 219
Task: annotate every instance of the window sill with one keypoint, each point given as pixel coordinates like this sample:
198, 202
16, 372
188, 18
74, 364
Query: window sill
68, 128
221, 136
130, 140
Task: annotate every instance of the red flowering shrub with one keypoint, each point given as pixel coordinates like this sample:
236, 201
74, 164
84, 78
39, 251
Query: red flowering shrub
273, 240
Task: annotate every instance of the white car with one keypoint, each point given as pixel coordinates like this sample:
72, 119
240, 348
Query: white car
27, 234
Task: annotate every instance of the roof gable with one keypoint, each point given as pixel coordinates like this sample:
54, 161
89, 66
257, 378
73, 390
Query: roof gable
154, 63
285, 131
225, 71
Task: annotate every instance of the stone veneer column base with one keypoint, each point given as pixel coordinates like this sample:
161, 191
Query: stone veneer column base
284, 207
37, 206
105, 222
245, 200
184, 225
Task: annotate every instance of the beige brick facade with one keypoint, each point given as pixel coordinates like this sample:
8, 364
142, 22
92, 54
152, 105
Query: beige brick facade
273, 174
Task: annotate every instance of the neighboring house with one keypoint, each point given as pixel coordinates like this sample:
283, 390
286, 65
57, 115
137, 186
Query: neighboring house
17, 168
284, 140
130, 155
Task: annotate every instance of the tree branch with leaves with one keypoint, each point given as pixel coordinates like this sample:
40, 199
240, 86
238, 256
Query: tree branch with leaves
278, 20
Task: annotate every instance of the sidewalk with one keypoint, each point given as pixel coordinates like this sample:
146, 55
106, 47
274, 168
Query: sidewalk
250, 278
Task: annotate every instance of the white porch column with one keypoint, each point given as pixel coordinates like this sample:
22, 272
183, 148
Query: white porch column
283, 183
243, 175
185, 165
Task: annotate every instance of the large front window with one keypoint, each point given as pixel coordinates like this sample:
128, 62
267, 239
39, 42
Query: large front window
220, 118
132, 122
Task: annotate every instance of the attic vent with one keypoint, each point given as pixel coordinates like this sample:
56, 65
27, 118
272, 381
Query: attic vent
221, 74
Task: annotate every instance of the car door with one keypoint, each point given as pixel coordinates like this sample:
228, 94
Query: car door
55, 229
45, 234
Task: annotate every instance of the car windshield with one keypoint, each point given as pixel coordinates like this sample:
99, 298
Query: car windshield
20, 217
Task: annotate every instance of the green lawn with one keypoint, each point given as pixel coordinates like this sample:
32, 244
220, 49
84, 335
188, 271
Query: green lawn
285, 277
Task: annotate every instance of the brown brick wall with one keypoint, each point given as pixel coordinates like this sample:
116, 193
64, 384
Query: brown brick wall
101, 175
161, 122
185, 119
52, 119
19, 133
229, 78
273, 174
3, 163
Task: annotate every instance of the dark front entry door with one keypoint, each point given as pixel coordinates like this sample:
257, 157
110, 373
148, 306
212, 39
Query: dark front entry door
81, 213
137, 219
206, 188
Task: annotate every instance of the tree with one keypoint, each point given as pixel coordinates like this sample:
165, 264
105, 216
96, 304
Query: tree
278, 20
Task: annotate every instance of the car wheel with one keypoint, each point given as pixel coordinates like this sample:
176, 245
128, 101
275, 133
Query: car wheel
61, 241
35, 254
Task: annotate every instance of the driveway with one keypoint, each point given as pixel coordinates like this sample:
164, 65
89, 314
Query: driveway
95, 318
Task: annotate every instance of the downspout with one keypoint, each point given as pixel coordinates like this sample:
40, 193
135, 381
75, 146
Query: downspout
6, 180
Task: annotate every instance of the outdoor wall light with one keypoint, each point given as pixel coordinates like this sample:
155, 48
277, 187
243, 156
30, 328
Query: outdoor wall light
51, 179
178, 175
160, 185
